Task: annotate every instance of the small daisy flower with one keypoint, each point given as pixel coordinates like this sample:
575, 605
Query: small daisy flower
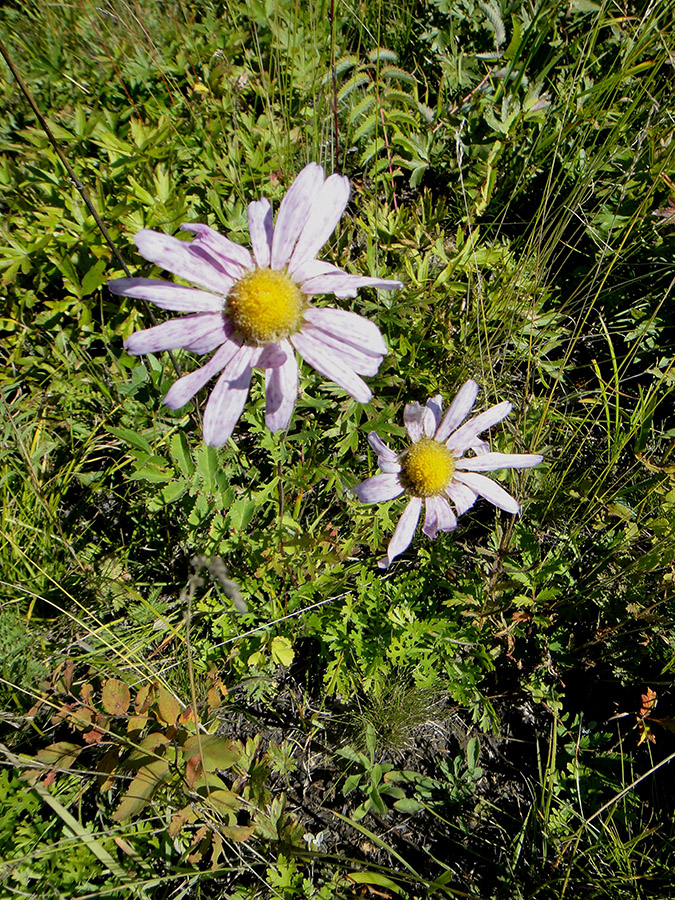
255, 310
435, 470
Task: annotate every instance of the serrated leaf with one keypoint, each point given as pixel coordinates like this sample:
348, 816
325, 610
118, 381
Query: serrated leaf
115, 697
356, 81
395, 72
207, 466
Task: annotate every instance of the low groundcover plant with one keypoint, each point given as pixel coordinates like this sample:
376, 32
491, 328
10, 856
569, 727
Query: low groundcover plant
435, 469
255, 311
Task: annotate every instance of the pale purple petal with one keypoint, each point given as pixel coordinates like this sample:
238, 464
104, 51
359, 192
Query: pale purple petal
462, 496
167, 294
293, 213
186, 387
431, 422
404, 532
360, 362
332, 365
489, 462
310, 268
349, 327
227, 398
479, 447
378, 489
221, 251
326, 211
413, 418
173, 255
274, 355
458, 410
281, 390
346, 285
463, 438
488, 489
187, 332
387, 466
439, 517
379, 446
261, 230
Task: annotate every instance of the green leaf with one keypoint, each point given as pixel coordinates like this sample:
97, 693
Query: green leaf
131, 437
217, 752
207, 466
375, 878
141, 789
408, 806
180, 453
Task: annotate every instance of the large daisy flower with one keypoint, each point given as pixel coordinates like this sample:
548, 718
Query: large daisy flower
255, 310
435, 469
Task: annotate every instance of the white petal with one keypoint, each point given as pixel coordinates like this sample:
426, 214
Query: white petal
404, 532
210, 244
439, 517
462, 496
488, 489
349, 327
381, 448
363, 363
413, 418
261, 231
281, 390
378, 489
332, 365
346, 285
458, 410
167, 294
188, 332
489, 462
173, 255
463, 438
326, 211
187, 386
310, 268
293, 213
227, 399
433, 419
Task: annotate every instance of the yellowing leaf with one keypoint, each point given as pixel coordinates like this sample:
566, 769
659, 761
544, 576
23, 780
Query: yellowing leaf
282, 651
168, 707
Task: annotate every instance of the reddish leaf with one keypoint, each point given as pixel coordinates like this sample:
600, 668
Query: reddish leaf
144, 699
181, 818
115, 697
52, 759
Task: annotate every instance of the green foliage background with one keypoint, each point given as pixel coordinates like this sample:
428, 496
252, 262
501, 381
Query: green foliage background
512, 164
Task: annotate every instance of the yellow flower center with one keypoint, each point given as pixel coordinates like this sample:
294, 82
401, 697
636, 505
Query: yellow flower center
427, 468
265, 306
